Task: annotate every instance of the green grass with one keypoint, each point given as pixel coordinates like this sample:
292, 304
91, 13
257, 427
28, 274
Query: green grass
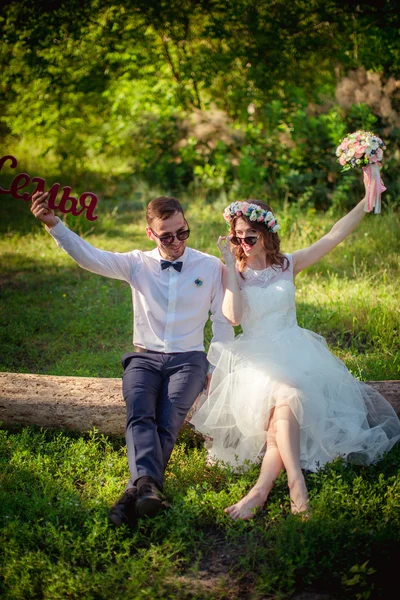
56, 488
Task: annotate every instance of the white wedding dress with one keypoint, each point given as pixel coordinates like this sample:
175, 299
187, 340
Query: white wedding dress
276, 362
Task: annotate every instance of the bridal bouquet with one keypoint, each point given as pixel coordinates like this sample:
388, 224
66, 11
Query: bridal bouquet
364, 149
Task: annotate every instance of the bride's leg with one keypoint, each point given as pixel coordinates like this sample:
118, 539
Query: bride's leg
270, 468
288, 442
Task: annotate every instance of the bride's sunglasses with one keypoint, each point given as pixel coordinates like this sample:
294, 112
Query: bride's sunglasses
251, 240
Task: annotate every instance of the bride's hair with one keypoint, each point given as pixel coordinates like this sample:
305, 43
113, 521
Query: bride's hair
270, 241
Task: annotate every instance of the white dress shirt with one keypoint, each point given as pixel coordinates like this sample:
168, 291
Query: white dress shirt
170, 308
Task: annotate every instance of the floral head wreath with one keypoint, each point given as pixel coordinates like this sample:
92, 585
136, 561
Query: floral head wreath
253, 212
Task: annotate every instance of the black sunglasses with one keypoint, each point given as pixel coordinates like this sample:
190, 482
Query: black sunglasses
251, 240
168, 238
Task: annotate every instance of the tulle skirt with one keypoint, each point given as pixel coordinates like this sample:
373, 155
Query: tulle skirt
337, 414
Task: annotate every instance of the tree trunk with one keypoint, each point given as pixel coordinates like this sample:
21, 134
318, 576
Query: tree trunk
81, 403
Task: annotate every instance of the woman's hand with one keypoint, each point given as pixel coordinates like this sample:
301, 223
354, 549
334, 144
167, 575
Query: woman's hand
232, 307
227, 250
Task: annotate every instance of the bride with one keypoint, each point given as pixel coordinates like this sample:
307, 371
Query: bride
277, 390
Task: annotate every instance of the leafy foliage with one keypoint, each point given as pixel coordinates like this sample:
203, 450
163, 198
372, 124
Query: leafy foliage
139, 88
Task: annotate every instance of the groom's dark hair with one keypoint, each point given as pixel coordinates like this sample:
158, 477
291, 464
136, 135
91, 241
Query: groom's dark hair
163, 208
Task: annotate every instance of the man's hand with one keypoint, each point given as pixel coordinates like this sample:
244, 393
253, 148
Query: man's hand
207, 382
40, 209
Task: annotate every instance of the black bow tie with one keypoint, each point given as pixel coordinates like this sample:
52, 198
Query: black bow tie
166, 264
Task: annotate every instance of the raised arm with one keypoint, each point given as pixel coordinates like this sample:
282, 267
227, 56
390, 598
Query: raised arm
110, 264
232, 305
222, 329
341, 229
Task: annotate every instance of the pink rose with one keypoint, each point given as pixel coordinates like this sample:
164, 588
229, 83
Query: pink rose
373, 158
272, 223
238, 213
342, 160
260, 219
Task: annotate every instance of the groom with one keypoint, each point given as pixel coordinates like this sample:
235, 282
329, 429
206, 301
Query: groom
173, 289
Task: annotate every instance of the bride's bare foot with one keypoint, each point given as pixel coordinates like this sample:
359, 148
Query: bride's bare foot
247, 506
299, 497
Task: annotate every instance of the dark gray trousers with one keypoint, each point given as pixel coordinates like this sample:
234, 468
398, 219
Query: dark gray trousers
158, 390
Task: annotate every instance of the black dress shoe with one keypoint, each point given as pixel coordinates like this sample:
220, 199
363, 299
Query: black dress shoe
123, 511
150, 500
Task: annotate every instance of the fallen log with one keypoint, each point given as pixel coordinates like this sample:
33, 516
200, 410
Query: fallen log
73, 403
81, 403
